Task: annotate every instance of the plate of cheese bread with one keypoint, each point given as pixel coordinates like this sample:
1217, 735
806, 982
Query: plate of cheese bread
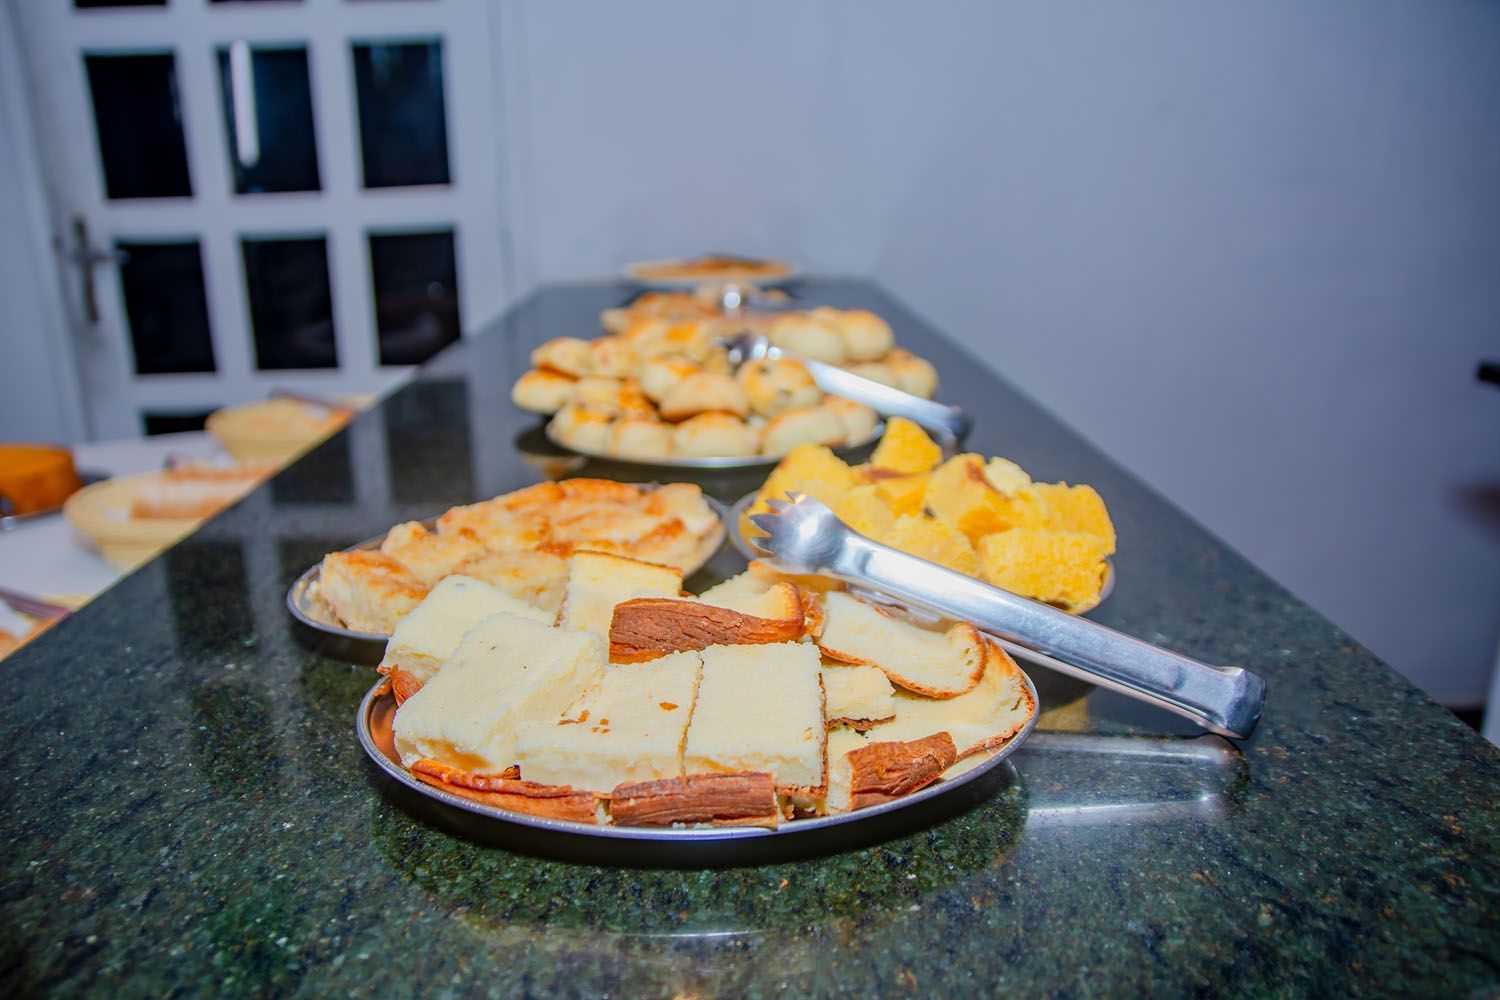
518, 542
709, 269
660, 388
768, 704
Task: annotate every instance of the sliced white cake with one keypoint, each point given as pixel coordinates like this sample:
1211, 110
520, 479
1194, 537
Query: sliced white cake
506, 671
429, 633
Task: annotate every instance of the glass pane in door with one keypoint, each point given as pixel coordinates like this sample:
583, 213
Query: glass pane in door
165, 307
415, 278
268, 119
138, 122
403, 134
291, 304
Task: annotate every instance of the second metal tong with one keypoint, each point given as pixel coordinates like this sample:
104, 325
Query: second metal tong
949, 422
805, 536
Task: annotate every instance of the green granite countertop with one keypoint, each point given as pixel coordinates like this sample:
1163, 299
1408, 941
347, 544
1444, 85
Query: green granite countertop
186, 810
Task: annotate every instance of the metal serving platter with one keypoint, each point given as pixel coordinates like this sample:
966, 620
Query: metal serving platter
638, 273
736, 462
373, 727
306, 604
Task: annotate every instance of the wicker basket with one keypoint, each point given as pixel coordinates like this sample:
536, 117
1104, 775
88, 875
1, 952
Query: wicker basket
102, 512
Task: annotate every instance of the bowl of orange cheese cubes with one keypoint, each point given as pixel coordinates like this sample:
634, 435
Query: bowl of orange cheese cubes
982, 517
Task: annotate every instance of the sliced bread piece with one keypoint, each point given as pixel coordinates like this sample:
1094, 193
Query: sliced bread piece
858, 696
628, 729
368, 591
988, 715
506, 671
760, 708
935, 664
429, 633
597, 581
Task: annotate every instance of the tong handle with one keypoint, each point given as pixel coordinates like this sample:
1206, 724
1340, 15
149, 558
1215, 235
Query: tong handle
1223, 700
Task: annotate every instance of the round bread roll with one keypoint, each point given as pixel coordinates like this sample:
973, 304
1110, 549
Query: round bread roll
582, 427
616, 397
776, 384
867, 337
704, 392
612, 356
661, 373
616, 321
568, 355
858, 420
805, 335
653, 338
877, 371
542, 391
640, 438
803, 425
913, 374
715, 435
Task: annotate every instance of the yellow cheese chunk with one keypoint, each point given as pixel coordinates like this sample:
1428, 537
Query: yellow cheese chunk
933, 540
905, 447
1064, 568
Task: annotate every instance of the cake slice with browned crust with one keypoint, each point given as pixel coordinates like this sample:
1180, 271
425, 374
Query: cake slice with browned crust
428, 634
629, 728
760, 708
935, 664
598, 581
507, 670
982, 718
858, 696
368, 591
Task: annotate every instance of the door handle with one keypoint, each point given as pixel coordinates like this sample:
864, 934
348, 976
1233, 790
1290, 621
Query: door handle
85, 256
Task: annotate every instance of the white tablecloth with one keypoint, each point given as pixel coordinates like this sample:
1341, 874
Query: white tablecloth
45, 557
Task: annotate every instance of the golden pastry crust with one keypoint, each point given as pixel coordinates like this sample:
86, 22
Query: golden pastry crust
612, 356
773, 385
913, 374
650, 627
806, 335
583, 427
857, 419
542, 390
640, 438
430, 556
661, 373
616, 397
715, 435
704, 392
536, 576
799, 426
368, 591
867, 337
569, 355
881, 772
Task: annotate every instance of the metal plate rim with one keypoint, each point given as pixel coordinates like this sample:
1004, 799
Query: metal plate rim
675, 835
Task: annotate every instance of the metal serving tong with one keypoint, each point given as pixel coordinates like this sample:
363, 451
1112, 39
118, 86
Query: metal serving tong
948, 422
804, 536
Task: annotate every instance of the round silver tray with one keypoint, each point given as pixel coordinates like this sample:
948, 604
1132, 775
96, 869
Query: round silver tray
307, 606
737, 462
735, 518
375, 710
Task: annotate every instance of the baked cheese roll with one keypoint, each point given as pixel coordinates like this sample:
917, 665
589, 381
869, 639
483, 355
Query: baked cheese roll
704, 392
661, 373
805, 335
583, 427
715, 435
773, 385
643, 438
857, 419
612, 356
866, 336
568, 355
542, 390
803, 425
913, 374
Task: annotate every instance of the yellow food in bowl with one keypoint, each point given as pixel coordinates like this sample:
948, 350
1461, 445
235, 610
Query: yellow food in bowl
985, 518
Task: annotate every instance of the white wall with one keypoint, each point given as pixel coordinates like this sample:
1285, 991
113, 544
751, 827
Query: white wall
1251, 248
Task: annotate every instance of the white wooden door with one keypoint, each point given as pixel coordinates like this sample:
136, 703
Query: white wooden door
258, 194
